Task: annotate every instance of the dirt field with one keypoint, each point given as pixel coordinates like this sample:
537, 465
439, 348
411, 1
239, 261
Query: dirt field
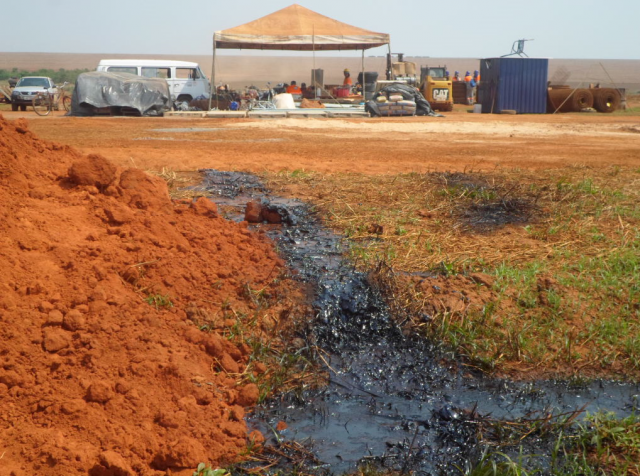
94, 226
458, 142
323, 159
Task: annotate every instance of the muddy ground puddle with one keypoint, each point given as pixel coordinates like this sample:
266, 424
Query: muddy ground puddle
390, 400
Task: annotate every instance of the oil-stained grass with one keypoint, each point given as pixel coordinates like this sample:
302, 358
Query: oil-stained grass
563, 248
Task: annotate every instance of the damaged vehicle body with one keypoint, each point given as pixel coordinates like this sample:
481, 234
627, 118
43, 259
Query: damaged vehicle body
101, 93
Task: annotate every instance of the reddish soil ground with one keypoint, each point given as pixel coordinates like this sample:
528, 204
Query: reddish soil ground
94, 379
103, 369
459, 141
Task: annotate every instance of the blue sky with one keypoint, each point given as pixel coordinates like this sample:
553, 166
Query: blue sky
462, 28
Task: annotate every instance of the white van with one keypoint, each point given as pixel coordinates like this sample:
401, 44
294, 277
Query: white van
186, 80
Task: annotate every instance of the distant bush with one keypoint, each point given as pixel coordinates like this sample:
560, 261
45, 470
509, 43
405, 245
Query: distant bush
59, 77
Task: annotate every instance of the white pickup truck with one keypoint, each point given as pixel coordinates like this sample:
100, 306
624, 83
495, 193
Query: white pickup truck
27, 88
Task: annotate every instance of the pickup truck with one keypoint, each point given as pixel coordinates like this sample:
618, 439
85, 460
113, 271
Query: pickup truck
26, 89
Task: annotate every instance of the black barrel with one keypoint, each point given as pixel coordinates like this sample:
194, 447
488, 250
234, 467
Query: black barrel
318, 75
370, 78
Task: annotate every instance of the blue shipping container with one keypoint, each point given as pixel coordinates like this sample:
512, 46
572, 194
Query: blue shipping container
518, 84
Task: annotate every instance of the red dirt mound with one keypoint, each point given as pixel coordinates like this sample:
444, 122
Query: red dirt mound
102, 368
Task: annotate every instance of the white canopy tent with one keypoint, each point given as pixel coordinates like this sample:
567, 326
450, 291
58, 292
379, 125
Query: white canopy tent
296, 28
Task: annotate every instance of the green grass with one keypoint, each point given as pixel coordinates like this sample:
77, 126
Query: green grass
204, 470
631, 111
600, 445
159, 301
608, 445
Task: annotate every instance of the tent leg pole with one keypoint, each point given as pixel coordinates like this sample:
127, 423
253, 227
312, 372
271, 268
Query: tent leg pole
313, 79
364, 81
213, 74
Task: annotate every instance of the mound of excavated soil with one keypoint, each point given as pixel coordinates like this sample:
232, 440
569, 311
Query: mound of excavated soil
102, 369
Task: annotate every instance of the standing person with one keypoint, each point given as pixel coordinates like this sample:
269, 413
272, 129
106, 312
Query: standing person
347, 78
475, 83
470, 86
456, 76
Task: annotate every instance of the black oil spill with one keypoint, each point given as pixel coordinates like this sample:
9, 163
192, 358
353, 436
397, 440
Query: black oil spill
485, 207
390, 401
489, 216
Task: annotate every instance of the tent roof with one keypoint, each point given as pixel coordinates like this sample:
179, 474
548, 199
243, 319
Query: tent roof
298, 28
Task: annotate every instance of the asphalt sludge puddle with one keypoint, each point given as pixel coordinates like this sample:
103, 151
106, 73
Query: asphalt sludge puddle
390, 400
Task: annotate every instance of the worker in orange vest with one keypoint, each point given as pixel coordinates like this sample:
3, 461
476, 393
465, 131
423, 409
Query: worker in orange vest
476, 77
294, 88
456, 76
347, 78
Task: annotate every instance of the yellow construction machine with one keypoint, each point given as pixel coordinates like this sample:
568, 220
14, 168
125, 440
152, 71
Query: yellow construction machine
434, 83
436, 87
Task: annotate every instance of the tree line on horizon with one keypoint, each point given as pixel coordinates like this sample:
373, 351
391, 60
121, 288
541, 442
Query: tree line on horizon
59, 76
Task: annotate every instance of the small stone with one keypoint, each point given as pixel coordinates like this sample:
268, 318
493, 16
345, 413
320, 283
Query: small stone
228, 364
99, 392
55, 339
213, 345
54, 318
271, 216
118, 214
253, 212
73, 321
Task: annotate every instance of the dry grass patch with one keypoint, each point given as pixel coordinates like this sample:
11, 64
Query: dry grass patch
525, 273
